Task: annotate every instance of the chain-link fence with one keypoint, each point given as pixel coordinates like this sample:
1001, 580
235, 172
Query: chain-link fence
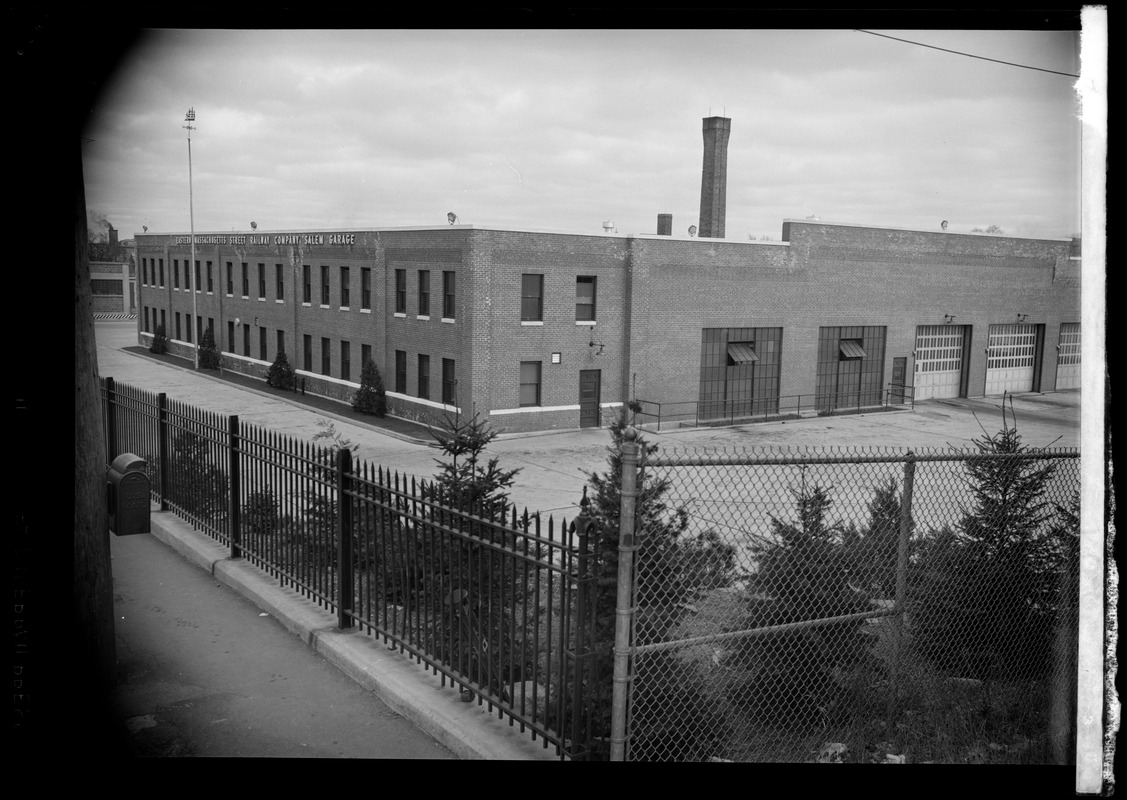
858, 606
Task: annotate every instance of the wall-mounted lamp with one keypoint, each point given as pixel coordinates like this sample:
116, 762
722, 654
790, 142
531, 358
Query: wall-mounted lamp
256, 322
1021, 317
599, 345
947, 318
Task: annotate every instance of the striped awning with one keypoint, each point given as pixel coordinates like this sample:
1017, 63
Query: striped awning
851, 349
742, 352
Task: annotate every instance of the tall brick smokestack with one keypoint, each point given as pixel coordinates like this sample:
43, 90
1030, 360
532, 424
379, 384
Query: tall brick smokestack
714, 177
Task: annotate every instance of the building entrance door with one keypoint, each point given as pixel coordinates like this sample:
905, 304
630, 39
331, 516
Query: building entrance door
589, 391
899, 370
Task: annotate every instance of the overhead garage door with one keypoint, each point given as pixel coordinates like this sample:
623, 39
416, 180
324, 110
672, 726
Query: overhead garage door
939, 361
1010, 358
1068, 356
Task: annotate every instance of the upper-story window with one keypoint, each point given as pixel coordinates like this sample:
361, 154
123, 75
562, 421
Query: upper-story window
400, 291
306, 285
424, 293
279, 283
261, 281
324, 285
585, 298
365, 287
532, 298
344, 297
448, 286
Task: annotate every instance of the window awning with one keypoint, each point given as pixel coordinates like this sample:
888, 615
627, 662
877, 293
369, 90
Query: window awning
852, 349
742, 353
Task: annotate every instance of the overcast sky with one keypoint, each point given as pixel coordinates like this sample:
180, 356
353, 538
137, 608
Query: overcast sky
561, 130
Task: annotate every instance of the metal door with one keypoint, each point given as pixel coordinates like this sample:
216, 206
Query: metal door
939, 361
899, 370
1010, 358
589, 392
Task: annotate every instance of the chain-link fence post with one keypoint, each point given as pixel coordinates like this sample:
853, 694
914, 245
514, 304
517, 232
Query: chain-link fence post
901, 580
623, 620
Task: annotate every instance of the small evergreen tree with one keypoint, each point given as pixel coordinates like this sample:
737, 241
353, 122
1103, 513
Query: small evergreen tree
370, 398
281, 375
209, 354
160, 341
986, 593
874, 551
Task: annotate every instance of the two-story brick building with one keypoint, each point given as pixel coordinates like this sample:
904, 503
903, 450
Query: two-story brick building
540, 330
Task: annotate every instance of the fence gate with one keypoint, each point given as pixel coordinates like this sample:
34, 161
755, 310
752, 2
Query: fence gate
855, 607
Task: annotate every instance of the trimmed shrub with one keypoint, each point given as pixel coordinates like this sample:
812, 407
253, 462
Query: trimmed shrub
209, 353
370, 398
281, 375
160, 341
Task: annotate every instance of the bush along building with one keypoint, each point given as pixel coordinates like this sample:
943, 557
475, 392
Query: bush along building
538, 330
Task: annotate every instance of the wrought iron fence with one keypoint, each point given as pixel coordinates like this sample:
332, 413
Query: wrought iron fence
865, 605
497, 605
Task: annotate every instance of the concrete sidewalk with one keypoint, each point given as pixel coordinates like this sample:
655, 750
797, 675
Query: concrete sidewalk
216, 659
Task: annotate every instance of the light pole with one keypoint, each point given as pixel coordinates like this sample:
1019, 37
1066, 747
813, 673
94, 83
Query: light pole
190, 118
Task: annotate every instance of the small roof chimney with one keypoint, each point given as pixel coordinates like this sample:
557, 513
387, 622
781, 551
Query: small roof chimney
112, 234
664, 224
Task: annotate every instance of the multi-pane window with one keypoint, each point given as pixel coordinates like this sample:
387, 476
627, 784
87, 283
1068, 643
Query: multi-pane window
448, 286
230, 335
262, 344
279, 283
246, 281
104, 286
306, 284
365, 354
530, 383
261, 281
424, 376
326, 357
161, 263
344, 287
210, 279
324, 285
1011, 346
230, 278
424, 293
281, 341
175, 273
739, 374
449, 383
531, 298
345, 361
939, 348
400, 291
1069, 344
144, 272
365, 287
307, 352
585, 298
401, 371
850, 366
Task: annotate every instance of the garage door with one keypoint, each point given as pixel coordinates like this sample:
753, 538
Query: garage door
1009, 362
1068, 356
939, 361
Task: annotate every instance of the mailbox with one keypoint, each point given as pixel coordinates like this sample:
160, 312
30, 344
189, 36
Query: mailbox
127, 490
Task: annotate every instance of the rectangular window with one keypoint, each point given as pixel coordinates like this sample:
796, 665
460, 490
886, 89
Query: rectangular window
449, 383
144, 272
175, 273
531, 298
177, 325
261, 281
230, 278
326, 357
307, 352
197, 284
246, 339
100, 286
262, 344
530, 383
210, 279
146, 319
366, 287
345, 361
199, 328
307, 285
161, 263
279, 283
585, 298
246, 281
211, 326
401, 371
424, 293
400, 291
230, 336
281, 341
163, 320
324, 285
344, 298
448, 286
365, 354
424, 376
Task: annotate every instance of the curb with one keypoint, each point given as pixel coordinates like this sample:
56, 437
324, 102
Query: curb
469, 730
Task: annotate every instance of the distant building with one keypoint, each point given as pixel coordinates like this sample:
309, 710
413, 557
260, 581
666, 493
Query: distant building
113, 278
536, 330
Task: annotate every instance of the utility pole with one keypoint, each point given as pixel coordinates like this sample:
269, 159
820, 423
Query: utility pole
190, 117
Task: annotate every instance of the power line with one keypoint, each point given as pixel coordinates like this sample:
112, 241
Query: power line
968, 55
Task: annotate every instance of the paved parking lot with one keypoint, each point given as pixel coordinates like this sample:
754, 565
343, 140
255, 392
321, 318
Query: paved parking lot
554, 465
